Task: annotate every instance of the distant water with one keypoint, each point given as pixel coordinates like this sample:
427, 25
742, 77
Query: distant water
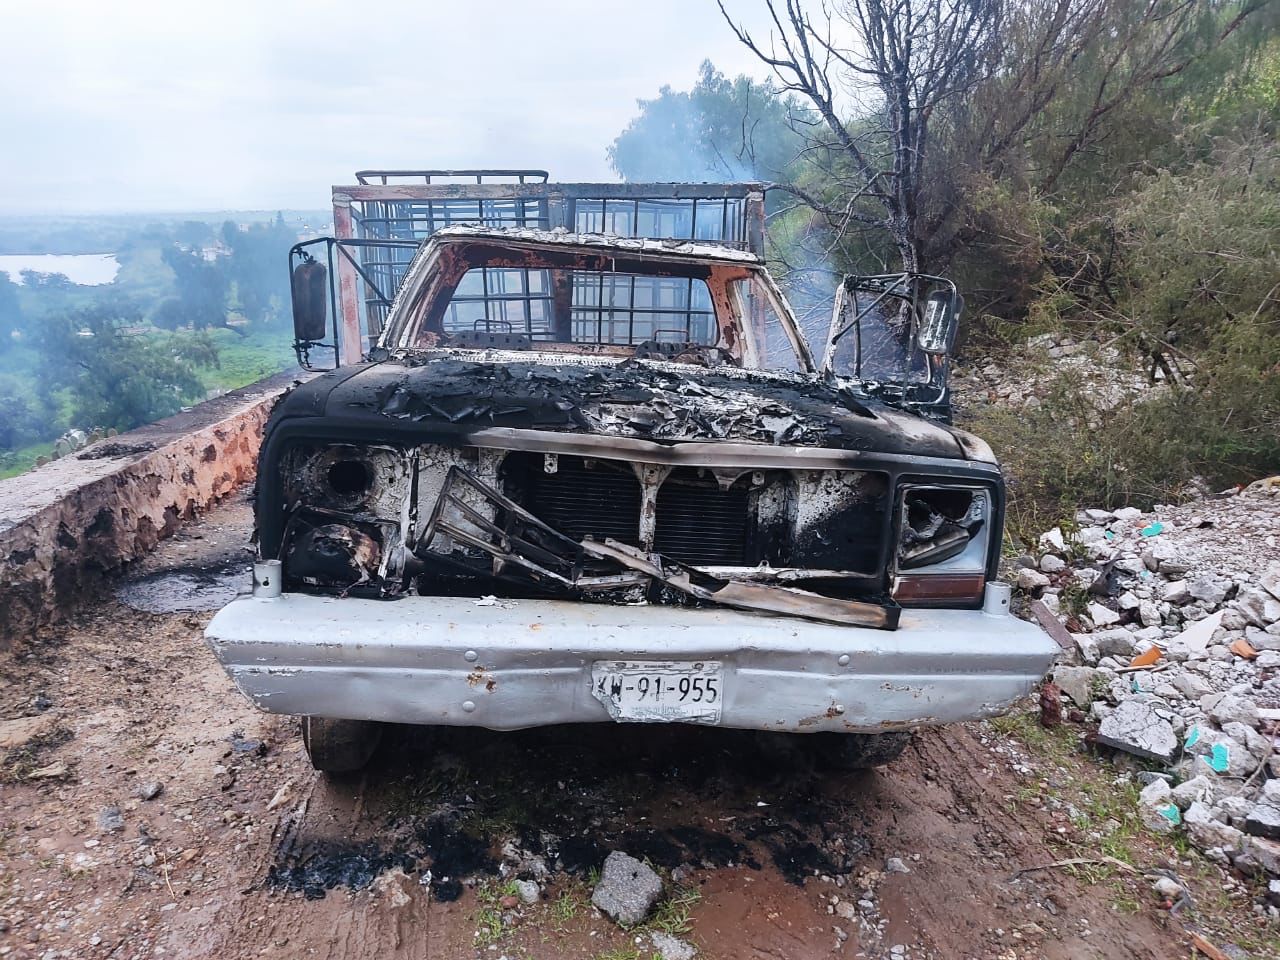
89, 269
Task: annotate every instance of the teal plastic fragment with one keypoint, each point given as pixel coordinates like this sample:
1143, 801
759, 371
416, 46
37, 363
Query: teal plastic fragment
1219, 757
1170, 812
1192, 736
1108, 534
1154, 530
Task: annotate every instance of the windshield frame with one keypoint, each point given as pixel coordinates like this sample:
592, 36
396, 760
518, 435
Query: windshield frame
442, 261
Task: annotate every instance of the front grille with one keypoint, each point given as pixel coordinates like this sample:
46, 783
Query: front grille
700, 524
580, 501
697, 522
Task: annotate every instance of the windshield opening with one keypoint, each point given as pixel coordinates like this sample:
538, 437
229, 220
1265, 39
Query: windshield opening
620, 309
576, 300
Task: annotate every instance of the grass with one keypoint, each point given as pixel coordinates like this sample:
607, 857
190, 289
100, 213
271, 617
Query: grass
243, 360
672, 915
488, 918
14, 462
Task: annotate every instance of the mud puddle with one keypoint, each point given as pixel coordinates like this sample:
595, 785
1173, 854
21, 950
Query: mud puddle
187, 589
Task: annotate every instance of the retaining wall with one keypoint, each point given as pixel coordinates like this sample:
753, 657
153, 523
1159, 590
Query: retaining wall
66, 524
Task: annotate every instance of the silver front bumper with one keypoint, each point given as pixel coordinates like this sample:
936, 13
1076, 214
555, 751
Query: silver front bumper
527, 663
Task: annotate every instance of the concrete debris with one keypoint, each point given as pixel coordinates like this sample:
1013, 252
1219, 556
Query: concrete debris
528, 892
671, 947
895, 865
149, 790
1176, 654
1208, 833
1142, 729
627, 890
1076, 683
1264, 819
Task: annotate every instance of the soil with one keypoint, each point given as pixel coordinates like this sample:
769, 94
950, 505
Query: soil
247, 852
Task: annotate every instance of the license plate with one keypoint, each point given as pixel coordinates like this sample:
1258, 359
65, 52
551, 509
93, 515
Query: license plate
659, 691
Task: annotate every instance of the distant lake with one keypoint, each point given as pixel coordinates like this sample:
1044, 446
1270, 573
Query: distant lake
89, 269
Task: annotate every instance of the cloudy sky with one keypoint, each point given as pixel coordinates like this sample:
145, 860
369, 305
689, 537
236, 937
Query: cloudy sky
255, 104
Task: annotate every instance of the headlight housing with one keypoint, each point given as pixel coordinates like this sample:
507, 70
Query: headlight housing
944, 539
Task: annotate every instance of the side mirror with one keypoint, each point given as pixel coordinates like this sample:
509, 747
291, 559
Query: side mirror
937, 330
310, 289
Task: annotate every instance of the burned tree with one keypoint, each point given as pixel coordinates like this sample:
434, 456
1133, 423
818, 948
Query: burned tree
902, 64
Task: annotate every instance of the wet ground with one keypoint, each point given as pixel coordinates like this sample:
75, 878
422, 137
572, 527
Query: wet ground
246, 852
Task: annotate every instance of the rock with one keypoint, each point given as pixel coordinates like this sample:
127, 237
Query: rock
1167, 888
671, 947
1175, 592
1266, 852
1264, 819
1254, 743
1102, 616
15, 733
1207, 589
1115, 643
846, 910
627, 890
1141, 729
1258, 607
1099, 516
1270, 580
1051, 563
1087, 644
1128, 601
1228, 708
1076, 683
1149, 613
110, 820
1208, 833
528, 891
895, 865
1197, 789
1029, 579
1261, 640
1155, 791
149, 790
1053, 540
1232, 810
1127, 513
1191, 685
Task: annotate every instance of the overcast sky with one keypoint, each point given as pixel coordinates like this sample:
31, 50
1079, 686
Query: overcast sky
258, 104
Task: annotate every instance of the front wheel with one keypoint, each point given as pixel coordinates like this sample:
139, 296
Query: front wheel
339, 746
860, 751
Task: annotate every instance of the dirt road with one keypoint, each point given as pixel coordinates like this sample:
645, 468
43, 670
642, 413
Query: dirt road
246, 852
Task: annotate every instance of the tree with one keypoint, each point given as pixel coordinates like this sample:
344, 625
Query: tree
201, 288
256, 264
905, 63
118, 375
1007, 91
722, 129
10, 308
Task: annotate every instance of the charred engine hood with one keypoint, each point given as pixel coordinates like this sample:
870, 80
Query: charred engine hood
453, 392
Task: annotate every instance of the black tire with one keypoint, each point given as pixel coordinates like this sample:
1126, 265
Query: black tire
860, 751
340, 746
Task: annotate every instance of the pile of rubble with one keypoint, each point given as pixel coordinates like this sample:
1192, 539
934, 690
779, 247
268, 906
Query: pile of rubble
1175, 620
1025, 378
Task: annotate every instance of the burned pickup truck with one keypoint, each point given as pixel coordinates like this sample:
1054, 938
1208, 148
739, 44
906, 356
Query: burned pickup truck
586, 478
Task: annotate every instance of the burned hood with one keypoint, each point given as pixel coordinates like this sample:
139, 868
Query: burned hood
459, 391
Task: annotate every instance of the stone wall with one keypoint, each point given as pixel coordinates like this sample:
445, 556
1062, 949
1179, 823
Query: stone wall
66, 524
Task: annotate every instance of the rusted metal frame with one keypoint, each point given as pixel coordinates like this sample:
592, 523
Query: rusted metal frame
350, 339
577, 191
718, 275
520, 174
764, 598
